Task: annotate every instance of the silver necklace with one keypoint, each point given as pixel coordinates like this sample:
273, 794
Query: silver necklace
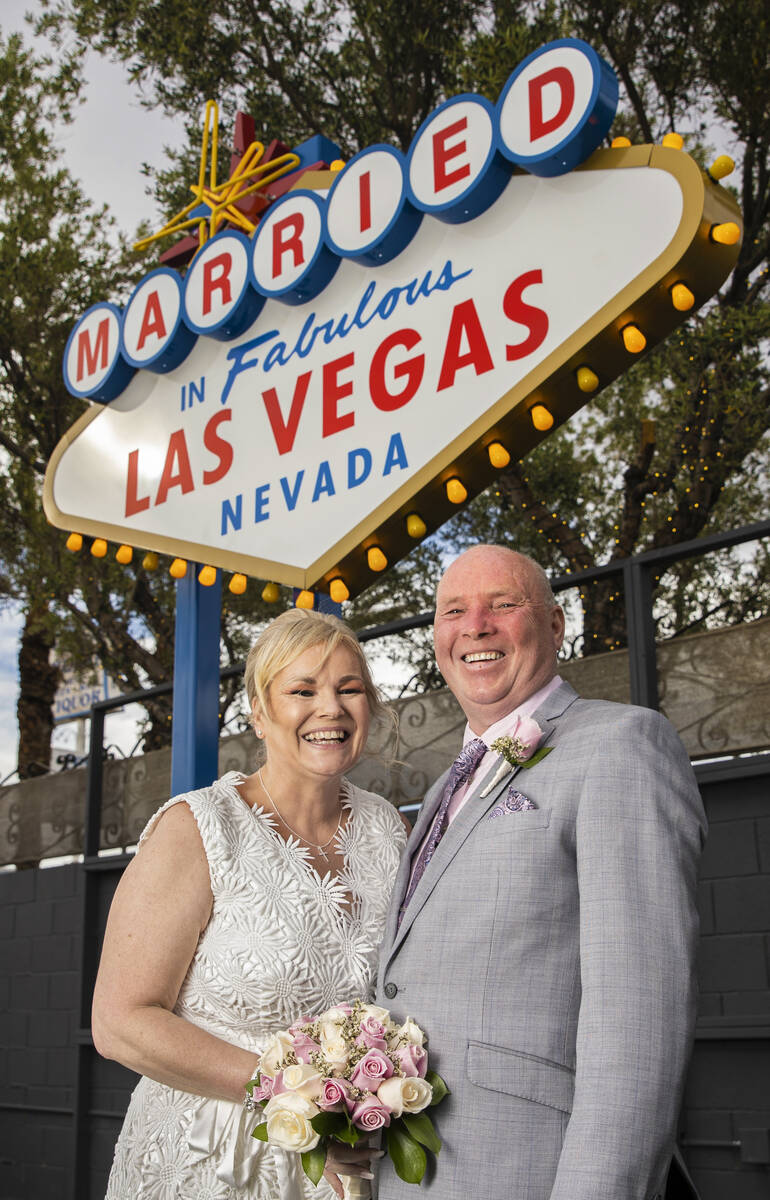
321, 849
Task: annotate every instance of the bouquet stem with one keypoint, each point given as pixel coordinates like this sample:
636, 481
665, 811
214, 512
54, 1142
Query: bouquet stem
356, 1188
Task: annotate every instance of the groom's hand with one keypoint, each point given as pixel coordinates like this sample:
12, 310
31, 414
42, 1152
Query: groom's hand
348, 1160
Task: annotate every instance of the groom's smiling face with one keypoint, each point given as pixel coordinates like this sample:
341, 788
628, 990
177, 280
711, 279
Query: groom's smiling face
496, 632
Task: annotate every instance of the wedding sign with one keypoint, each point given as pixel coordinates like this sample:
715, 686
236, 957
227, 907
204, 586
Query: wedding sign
310, 399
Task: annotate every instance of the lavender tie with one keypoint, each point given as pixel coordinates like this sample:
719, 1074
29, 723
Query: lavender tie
462, 768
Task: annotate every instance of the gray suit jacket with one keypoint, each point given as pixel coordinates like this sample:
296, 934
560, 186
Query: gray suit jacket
549, 956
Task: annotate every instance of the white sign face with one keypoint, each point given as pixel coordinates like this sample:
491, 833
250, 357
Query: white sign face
546, 101
75, 697
281, 451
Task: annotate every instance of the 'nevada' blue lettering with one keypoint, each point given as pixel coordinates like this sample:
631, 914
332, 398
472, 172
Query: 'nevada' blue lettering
324, 484
291, 495
261, 501
233, 515
356, 476
396, 455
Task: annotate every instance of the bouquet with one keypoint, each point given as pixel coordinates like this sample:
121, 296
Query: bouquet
345, 1074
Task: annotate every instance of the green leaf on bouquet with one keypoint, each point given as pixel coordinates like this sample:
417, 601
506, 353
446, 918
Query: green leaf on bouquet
329, 1123
407, 1155
313, 1163
440, 1089
421, 1128
260, 1133
349, 1135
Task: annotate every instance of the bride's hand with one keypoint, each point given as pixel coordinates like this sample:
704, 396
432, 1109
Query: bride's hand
348, 1160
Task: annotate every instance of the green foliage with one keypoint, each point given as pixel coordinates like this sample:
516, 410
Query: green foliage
260, 1132
440, 1089
408, 1157
420, 1126
313, 1162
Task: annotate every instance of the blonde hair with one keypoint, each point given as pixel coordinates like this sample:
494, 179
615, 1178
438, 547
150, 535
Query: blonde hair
291, 634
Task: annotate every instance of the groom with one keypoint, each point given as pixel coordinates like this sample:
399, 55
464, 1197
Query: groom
543, 925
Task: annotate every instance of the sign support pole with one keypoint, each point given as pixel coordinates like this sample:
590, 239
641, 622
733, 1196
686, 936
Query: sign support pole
195, 729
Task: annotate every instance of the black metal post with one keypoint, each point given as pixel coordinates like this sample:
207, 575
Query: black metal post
640, 627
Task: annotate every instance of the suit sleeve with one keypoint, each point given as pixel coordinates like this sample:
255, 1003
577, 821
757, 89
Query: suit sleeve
639, 833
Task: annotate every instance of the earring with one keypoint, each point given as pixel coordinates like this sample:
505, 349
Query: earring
258, 732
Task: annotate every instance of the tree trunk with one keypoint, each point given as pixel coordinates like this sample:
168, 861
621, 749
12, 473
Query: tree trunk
38, 680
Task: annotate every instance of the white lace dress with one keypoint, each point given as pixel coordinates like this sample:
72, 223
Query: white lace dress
281, 942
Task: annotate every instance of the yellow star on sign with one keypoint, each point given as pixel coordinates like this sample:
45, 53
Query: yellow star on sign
215, 204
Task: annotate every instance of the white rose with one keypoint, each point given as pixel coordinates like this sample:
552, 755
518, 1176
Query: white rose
401, 1095
274, 1053
412, 1032
334, 1050
288, 1119
303, 1080
335, 1014
374, 1010
329, 1027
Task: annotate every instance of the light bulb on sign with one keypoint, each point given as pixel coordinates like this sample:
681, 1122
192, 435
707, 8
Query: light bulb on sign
498, 455
587, 380
726, 234
415, 526
150, 561
74, 542
456, 491
681, 297
542, 418
207, 576
376, 559
99, 548
339, 591
178, 568
237, 584
271, 593
124, 554
305, 599
633, 339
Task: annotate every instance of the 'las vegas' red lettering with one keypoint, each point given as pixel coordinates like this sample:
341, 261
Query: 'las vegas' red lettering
534, 319
217, 446
152, 321
412, 371
538, 126
443, 153
88, 354
287, 237
176, 469
335, 390
285, 432
465, 323
134, 503
216, 278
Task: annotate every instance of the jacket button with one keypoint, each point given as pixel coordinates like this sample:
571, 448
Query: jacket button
391, 990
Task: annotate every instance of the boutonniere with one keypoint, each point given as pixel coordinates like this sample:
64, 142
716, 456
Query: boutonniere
518, 750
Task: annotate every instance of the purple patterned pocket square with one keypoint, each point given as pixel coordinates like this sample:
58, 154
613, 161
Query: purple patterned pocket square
512, 802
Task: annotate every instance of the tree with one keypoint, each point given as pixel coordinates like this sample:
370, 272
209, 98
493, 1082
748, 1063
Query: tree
58, 255
676, 447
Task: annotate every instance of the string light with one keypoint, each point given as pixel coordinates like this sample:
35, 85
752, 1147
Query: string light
681, 297
98, 547
542, 418
376, 559
339, 591
271, 593
415, 526
633, 339
456, 491
207, 576
237, 584
498, 455
124, 554
150, 561
178, 568
725, 234
587, 380
305, 599
74, 542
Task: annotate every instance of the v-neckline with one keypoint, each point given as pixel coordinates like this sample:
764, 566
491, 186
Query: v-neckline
300, 855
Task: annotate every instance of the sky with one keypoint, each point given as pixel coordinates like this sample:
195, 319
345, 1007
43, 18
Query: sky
111, 136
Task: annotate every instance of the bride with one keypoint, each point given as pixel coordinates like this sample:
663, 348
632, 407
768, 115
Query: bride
249, 904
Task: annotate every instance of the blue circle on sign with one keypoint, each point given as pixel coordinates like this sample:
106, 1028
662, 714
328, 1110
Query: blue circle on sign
587, 134
243, 307
118, 374
399, 231
318, 271
179, 340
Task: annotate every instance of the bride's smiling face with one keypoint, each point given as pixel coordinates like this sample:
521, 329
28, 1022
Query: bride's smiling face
317, 716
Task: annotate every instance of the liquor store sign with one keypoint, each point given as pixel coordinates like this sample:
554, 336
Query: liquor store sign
300, 394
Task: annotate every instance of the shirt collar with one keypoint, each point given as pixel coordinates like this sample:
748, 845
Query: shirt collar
502, 727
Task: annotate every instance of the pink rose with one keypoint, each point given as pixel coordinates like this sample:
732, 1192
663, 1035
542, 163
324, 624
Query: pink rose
372, 1034
529, 734
371, 1070
412, 1060
278, 1088
304, 1046
299, 1026
335, 1095
265, 1089
369, 1114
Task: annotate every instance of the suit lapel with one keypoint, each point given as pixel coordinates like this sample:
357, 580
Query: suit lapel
547, 716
